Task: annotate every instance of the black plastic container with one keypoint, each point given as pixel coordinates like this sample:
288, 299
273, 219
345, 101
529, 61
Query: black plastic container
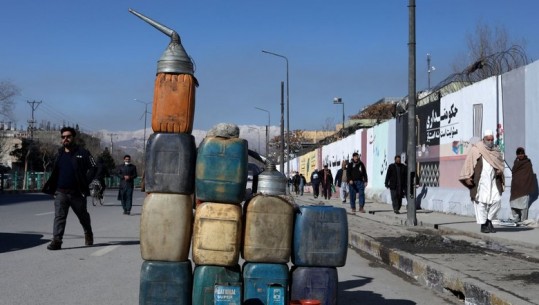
170, 163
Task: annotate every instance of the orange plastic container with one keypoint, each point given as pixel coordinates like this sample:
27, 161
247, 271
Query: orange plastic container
173, 107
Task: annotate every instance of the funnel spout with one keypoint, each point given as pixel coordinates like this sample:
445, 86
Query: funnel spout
175, 59
167, 31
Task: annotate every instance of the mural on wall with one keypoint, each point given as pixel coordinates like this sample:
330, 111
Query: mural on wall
448, 122
367, 156
351, 144
429, 174
331, 156
429, 135
380, 155
429, 123
500, 137
307, 164
457, 122
382, 148
334, 153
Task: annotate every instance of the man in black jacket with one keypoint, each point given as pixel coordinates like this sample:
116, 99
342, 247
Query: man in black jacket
396, 183
73, 170
127, 173
356, 173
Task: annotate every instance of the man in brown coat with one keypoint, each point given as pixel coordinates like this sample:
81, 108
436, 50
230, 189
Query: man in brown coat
522, 185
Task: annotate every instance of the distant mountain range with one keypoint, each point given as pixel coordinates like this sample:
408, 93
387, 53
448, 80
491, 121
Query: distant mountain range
133, 141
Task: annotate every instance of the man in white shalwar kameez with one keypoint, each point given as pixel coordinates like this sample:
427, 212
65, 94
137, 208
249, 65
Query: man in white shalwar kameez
482, 173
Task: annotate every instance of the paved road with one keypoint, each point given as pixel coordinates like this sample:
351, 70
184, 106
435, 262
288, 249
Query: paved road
108, 272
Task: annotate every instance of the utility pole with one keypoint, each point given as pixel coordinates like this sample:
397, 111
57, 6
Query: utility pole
281, 166
411, 219
111, 144
145, 115
31, 122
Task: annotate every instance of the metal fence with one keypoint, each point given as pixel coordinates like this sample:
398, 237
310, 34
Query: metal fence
35, 181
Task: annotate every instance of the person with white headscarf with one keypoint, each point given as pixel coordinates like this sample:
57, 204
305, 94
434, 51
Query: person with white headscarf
482, 174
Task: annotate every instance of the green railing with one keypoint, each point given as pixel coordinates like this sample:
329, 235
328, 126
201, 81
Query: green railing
35, 180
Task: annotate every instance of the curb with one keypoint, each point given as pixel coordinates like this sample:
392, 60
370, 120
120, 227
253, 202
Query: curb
436, 277
446, 230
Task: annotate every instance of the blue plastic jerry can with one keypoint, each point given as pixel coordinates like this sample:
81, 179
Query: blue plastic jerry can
227, 294
276, 295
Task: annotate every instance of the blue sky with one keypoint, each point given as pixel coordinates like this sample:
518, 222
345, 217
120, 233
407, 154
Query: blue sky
88, 60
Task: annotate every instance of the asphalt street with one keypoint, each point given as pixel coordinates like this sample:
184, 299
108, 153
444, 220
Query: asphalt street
109, 271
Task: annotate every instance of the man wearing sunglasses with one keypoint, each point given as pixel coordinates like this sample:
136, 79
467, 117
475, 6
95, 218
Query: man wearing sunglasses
73, 170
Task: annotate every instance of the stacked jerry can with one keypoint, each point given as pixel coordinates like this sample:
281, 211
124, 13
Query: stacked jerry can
320, 245
267, 232
220, 181
169, 177
267, 241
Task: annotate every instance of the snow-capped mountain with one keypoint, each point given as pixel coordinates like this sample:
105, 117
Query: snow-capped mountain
133, 141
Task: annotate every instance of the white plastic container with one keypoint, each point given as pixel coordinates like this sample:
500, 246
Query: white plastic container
166, 226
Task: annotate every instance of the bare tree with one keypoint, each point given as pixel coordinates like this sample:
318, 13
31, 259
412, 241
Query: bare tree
8, 91
297, 138
329, 124
490, 51
48, 152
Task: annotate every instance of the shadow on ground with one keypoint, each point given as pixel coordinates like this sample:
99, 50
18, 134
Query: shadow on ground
24, 197
19, 241
346, 296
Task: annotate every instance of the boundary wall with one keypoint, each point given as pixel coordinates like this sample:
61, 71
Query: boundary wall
507, 104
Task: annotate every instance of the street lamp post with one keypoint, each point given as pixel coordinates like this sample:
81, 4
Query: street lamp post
145, 114
429, 69
287, 110
267, 129
338, 100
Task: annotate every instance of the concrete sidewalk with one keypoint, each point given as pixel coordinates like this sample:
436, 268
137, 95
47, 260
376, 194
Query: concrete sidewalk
478, 268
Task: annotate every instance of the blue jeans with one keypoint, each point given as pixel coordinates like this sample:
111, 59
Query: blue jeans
126, 195
357, 188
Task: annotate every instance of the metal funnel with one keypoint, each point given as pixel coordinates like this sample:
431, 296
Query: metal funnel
174, 58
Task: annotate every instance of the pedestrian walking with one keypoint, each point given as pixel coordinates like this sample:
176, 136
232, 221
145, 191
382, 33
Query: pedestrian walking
396, 183
315, 182
356, 173
302, 183
295, 181
522, 185
342, 182
482, 174
326, 180
73, 170
127, 173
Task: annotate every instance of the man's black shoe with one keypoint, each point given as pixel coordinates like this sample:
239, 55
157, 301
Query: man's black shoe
484, 228
490, 227
396, 211
88, 239
55, 245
